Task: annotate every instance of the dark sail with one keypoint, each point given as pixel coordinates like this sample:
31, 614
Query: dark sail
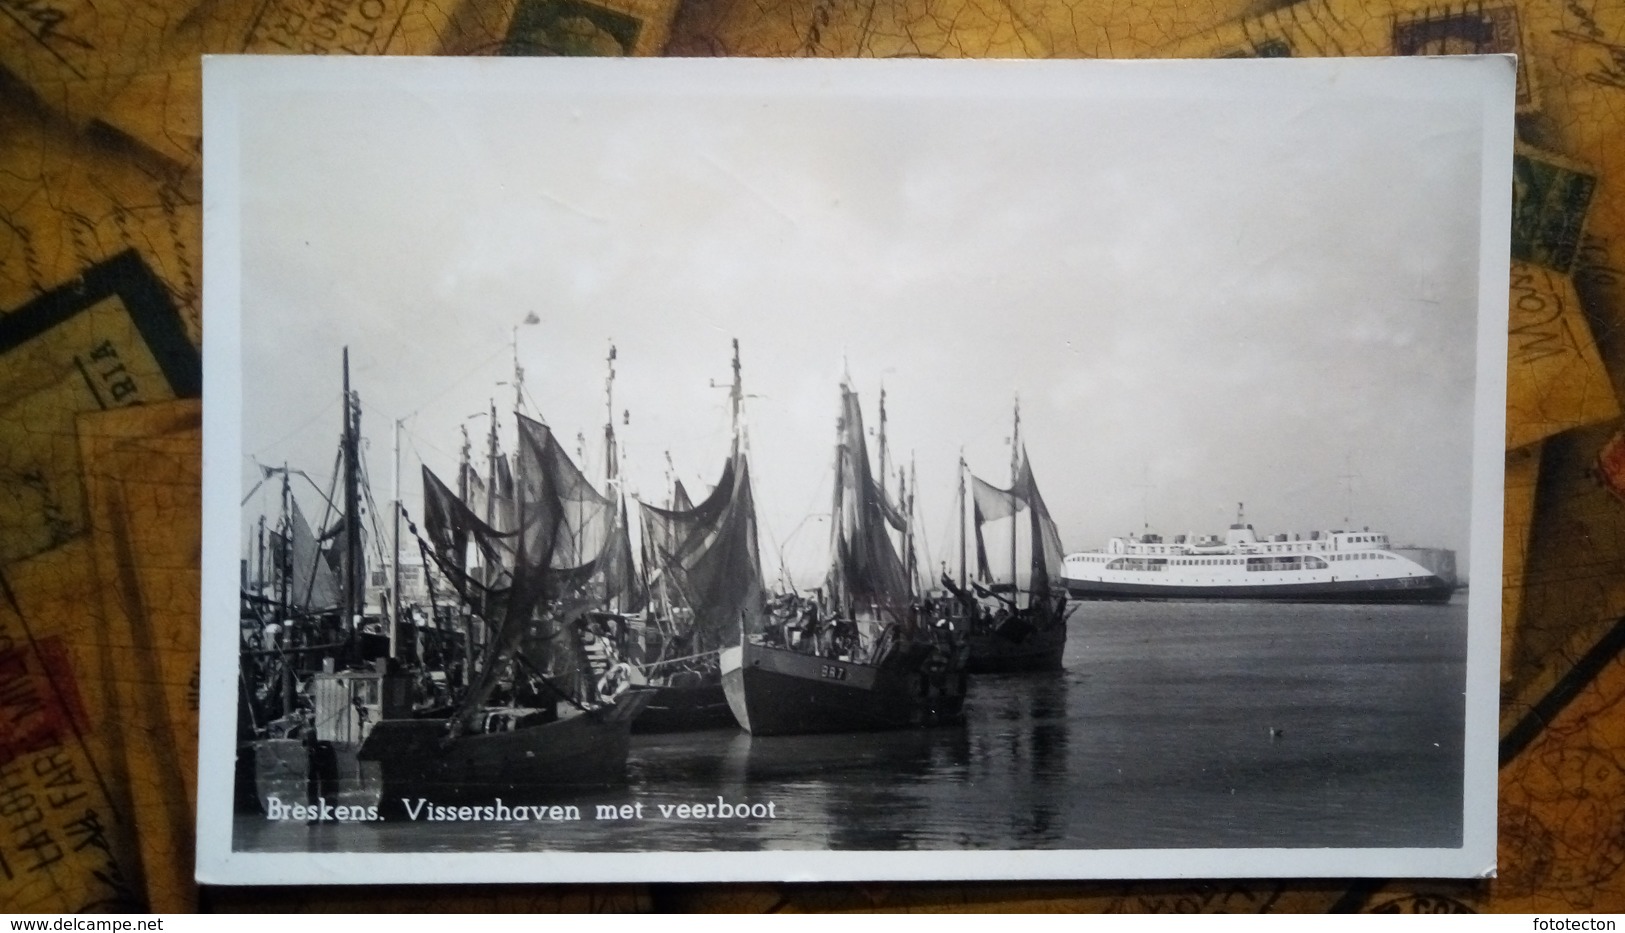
1046, 538
559, 529
535, 565
983, 571
993, 503
888, 510
623, 584
550, 496
502, 503
708, 554
867, 573
585, 517
451, 526
474, 495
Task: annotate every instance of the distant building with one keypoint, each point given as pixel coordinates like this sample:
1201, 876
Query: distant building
414, 585
1441, 561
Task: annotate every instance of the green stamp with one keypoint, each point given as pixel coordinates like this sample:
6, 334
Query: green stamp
569, 27
1549, 204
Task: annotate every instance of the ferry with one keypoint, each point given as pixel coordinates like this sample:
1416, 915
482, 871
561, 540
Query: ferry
1327, 566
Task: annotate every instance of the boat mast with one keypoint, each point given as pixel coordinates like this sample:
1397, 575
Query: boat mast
259, 559
464, 468
835, 529
353, 593
881, 478
609, 421
491, 470
882, 472
913, 557
961, 514
902, 508
1015, 467
395, 558
285, 568
518, 375
488, 573
613, 599
462, 472
735, 397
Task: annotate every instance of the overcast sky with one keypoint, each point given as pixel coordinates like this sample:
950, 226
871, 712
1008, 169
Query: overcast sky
1208, 284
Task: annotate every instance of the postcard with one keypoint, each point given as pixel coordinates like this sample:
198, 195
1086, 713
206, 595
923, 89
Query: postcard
641, 470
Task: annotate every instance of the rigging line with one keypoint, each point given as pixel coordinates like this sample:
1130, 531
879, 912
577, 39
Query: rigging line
446, 390
372, 504
310, 586
413, 439
331, 506
819, 491
784, 575
692, 657
322, 412
533, 407
925, 545
338, 464
378, 412
952, 530
372, 510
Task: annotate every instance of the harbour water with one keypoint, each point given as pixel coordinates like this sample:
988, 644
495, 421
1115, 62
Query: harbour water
1184, 725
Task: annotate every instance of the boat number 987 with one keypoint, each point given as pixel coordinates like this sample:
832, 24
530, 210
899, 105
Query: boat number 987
831, 672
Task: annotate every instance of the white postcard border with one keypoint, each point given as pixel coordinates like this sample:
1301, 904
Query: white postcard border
229, 79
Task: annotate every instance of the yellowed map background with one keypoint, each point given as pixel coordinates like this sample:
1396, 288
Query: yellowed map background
100, 141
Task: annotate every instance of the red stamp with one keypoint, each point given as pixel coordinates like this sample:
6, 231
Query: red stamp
37, 707
1611, 465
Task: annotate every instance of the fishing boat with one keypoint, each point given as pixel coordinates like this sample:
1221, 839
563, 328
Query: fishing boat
862, 654
1337, 566
310, 658
517, 730
1012, 628
705, 573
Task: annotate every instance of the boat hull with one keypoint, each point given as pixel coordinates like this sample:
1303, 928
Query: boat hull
776, 691
584, 749
994, 653
1429, 589
685, 709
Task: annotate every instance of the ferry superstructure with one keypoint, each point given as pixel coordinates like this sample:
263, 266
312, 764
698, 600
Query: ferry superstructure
1327, 566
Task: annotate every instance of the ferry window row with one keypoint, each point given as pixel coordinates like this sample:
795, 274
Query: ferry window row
1285, 563
1138, 563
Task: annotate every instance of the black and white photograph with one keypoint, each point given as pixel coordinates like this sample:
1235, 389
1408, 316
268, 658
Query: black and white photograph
768, 469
